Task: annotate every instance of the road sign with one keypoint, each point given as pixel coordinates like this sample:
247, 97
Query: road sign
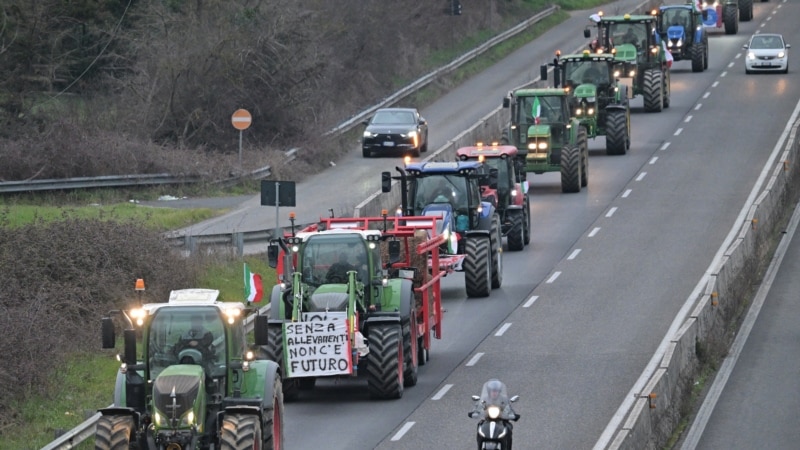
241, 119
277, 193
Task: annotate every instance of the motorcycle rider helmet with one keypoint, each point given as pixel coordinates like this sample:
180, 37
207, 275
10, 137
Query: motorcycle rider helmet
495, 388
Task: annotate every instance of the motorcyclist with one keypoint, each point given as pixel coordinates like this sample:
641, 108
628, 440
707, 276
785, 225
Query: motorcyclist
494, 393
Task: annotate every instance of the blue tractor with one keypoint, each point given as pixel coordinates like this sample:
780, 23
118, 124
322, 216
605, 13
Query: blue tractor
451, 191
681, 28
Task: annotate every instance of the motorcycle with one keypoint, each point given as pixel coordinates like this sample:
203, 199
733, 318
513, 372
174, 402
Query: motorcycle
493, 408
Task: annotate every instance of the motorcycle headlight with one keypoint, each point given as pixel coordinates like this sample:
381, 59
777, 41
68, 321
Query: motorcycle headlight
493, 412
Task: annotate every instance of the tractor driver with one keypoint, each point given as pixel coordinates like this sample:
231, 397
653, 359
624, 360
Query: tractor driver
337, 273
595, 74
196, 344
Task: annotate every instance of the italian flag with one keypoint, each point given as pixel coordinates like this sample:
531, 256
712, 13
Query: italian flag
253, 291
536, 110
667, 53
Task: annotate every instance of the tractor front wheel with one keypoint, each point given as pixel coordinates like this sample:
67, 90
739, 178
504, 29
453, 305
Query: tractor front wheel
516, 236
583, 145
113, 433
240, 432
617, 139
497, 252
570, 169
410, 349
698, 53
272, 420
273, 351
385, 363
745, 10
653, 87
730, 18
477, 267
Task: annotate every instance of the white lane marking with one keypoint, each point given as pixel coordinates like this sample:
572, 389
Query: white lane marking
641, 176
441, 392
700, 422
530, 301
553, 277
730, 64
474, 360
678, 131
768, 19
653, 160
626, 193
706, 94
762, 25
664, 146
503, 329
724, 72
628, 400
737, 56
574, 254
611, 212
699, 105
688, 118
594, 232
402, 431
716, 83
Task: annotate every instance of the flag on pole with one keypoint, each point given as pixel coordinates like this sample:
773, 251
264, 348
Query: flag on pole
536, 110
667, 53
253, 291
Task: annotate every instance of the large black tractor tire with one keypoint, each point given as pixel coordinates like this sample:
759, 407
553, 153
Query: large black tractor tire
273, 351
745, 10
385, 364
497, 252
705, 47
583, 145
477, 267
698, 53
240, 432
113, 433
730, 19
570, 169
410, 348
527, 208
272, 420
516, 235
653, 87
617, 137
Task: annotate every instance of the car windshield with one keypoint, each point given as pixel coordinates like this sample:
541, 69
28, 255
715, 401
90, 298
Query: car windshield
766, 42
393, 117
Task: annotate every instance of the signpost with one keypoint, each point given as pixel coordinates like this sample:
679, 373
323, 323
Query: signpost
241, 120
277, 194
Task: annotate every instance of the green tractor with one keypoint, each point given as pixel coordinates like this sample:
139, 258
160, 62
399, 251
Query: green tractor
355, 298
597, 98
547, 137
643, 62
195, 384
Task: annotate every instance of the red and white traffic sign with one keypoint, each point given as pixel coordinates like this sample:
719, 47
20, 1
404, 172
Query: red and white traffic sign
241, 119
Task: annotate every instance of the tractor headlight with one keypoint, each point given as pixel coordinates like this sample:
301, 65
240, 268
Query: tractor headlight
188, 419
493, 412
632, 73
542, 145
157, 419
532, 146
590, 111
578, 112
616, 73
679, 43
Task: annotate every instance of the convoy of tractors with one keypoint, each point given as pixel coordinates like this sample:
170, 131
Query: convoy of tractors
361, 297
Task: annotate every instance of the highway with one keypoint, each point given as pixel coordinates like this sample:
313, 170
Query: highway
583, 309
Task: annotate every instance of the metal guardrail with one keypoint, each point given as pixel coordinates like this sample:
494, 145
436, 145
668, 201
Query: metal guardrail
87, 429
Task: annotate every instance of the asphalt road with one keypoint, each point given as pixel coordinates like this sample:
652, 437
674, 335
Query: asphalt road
583, 309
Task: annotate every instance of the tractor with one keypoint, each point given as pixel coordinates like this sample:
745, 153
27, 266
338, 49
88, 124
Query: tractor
196, 383
680, 26
450, 192
355, 297
723, 13
644, 63
597, 99
547, 138
505, 187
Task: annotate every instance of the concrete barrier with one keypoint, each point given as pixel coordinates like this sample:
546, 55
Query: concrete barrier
708, 332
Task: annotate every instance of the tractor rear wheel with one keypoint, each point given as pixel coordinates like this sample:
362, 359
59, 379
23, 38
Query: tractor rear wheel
730, 18
570, 169
516, 236
113, 433
617, 139
477, 267
698, 53
410, 349
272, 420
385, 364
745, 10
240, 432
496, 243
273, 351
526, 207
583, 145
653, 87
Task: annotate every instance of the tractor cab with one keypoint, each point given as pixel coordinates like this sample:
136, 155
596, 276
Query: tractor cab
539, 119
449, 190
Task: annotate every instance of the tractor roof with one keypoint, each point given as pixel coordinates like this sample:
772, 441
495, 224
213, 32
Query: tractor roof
589, 56
629, 18
487, 151
436, 167
687, 6
543, 92
194, 297
342, 228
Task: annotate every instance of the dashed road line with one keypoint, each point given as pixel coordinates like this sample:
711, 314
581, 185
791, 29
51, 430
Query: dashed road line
678, 131
574, 254
699, 105
641, 176
689, 117
706, 94
530, 301
653, 160
503, 329
716, 83
553, 277
730, 64
474, 360
626, 193
664, 146
594, 231
611, 212
402, 431
441, 392
724, 72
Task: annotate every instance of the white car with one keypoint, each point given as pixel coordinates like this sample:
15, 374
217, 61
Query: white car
767, 52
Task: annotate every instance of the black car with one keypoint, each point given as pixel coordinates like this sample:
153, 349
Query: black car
400, 130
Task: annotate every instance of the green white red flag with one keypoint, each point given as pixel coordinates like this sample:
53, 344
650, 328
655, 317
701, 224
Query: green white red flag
536, 110
253, 290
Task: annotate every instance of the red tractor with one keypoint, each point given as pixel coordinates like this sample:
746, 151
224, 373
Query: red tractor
506, 187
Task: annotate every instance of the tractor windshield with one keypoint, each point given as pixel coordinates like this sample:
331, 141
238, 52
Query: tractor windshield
186, 335
634, 33
584, 71
443, 188
674, 17
539, 109
327, 258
